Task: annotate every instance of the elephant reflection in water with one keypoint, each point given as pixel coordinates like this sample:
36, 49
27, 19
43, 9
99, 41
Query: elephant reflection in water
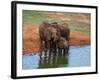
53, 60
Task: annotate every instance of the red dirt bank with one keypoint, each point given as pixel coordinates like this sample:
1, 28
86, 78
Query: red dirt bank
31, 39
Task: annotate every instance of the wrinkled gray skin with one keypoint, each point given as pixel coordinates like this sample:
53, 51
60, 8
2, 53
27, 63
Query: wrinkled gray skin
48, 35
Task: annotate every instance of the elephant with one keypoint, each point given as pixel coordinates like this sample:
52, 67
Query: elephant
55, 38
64, 33
63, 45
43, 33
48, 35
64, 30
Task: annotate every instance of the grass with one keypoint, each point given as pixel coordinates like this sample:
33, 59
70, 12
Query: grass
80, 27
76, 16
37, 17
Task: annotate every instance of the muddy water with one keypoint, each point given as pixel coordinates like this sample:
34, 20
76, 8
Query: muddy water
77, 56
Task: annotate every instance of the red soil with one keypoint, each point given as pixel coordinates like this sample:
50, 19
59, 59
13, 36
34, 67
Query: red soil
31, 39
79, 39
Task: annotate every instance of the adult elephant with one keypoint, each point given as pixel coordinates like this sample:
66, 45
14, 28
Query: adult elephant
48, 35
65, 35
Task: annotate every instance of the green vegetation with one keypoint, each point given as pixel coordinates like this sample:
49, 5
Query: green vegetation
76, 26
36, 17
76, 21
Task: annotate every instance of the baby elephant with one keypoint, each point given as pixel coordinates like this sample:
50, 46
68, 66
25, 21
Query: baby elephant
63, 45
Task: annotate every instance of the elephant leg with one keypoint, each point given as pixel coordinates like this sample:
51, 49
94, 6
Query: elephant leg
41, 49
55, 48
51, 46
40, 55
42, 45
64, 51
45, 51
59, 51
67, 49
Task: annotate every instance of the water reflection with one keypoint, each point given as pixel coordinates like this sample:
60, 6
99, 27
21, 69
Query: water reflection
77, 56
53, 60
44, 60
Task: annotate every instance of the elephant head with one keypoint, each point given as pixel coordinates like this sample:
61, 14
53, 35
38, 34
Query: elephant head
55, 31
54, 34
62, 43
